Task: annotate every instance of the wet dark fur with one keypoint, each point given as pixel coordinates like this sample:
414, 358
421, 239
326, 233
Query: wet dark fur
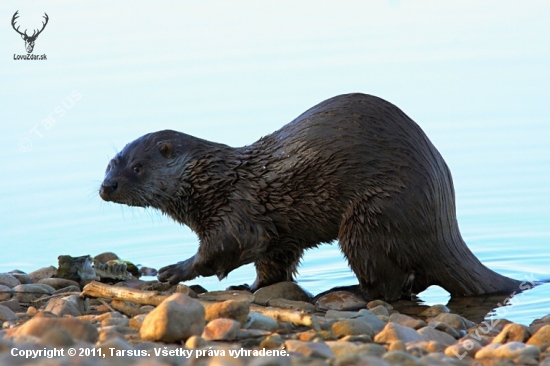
353, 168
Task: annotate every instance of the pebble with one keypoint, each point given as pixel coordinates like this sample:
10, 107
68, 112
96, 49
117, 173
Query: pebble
509, 350
12, 304
360, 360
433, 334
466, 347
351, 327
401, 358
225, 320
232, 309
282, 290
39, 325
541, 337
435, 310
309, 349
5, 293
195, 342
9, 280
29, 292
221, 330
340, 300
59, 283
513, 333
407, 321
41, 273
375, 303
459, 323
396, 332
57, 338
62, 307
364, 315
260, 321
6, 314
380, 310
176, 318
444, 327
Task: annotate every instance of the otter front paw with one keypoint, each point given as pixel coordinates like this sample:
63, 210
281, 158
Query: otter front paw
175, 273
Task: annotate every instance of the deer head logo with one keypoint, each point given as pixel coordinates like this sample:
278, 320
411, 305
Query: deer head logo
29, 40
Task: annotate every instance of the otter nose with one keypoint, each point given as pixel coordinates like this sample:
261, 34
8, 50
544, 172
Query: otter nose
107, 188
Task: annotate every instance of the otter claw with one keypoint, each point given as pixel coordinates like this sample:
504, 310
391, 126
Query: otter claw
175, 273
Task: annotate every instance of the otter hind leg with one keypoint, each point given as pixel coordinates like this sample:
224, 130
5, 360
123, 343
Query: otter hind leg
372, 253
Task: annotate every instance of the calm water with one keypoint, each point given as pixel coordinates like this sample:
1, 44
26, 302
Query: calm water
477, 88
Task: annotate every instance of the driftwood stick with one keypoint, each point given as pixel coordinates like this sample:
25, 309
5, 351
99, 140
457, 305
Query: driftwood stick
98, 289
287, 315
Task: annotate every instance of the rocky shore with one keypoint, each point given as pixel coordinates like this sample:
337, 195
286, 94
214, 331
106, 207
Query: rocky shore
59, 321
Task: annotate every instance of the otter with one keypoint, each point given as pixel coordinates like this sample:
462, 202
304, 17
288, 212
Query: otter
353, 168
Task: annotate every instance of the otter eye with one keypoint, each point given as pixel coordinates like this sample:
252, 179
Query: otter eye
138, 168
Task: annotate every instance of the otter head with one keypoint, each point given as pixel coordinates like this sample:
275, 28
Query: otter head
146, 172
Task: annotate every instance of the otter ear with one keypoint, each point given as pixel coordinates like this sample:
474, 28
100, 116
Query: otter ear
166, 149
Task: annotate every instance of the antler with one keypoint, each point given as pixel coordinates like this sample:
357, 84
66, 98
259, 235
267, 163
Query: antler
43, 26
15, 16
34, 34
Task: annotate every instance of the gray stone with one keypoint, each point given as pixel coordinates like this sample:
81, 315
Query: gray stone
5, 293
365, 315
6, 314
59, 283
9, 280
309, 349
231, 309
340, 300
270, 361
260, 321
30, 292
466, 347
349, 327
359, 360
380, 310
400, 358
62, 307
441, 359
67, 289
407, 321
458, 322
433, 334
41, 273
435, 310
39, 325
13, 304
22, 277
57, 338
340, 349
444, 327
395, 332
195, 342
284, 290
510, 350
375, 303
